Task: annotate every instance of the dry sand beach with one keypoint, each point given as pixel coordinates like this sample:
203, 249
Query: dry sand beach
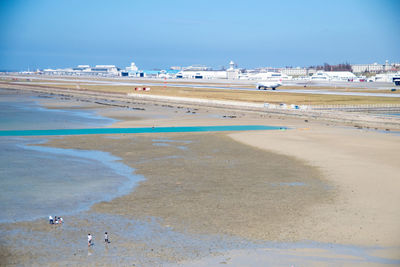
317, 194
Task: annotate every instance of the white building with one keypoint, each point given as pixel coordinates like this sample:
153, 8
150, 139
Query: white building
232, 73
196, 68
270, 76
98, 70
202, 74
104, 70
294, 71
360, 68
132, 70
375, 67
386, 77
82, 67
311, 72
333, 76
132, 67
67, 71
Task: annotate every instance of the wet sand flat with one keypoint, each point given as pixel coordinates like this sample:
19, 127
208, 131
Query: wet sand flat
365, 169
208, 183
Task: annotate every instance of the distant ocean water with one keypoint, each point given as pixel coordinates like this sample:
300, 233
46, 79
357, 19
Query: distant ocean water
36, 181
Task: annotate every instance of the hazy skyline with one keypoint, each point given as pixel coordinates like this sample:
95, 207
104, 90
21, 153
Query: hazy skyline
159, 34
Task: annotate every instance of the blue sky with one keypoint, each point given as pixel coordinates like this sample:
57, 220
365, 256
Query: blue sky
159, 34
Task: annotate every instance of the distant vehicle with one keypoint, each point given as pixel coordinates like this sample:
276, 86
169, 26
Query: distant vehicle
270, 84
396, 80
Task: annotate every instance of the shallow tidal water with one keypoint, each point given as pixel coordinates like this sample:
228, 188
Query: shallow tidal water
38, 181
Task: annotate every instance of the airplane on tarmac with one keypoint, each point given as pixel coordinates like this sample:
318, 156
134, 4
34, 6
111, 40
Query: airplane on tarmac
268, 84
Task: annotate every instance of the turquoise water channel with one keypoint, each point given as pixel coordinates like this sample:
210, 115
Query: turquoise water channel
137, 130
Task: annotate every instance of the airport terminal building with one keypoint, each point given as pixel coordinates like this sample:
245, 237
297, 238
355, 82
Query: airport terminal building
82, 70
383, 73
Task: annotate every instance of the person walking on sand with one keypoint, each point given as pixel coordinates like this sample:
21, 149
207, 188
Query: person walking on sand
89, 240
106, 238
51, 220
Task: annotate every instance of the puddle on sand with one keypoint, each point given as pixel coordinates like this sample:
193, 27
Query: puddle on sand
289, 184
169, 142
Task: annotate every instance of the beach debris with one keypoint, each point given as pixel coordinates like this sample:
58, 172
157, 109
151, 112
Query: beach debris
167, 106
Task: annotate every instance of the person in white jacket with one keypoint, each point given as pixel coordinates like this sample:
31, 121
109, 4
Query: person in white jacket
89, 240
